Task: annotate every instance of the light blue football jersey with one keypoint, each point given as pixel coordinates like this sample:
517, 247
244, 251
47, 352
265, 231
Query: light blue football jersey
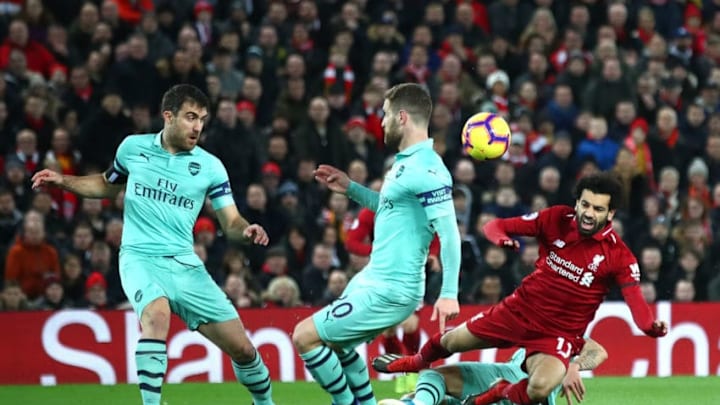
165, 193
416, 190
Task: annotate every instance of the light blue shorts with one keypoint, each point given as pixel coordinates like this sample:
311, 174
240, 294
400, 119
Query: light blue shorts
183, 280
360, 315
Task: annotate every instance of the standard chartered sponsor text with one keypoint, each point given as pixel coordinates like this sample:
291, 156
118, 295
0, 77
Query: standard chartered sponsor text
564, 267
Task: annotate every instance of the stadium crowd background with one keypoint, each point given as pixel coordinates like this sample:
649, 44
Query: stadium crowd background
632, 87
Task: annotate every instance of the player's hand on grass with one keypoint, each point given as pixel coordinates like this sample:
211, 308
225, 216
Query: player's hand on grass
445, 309
256, 234
658, 329
572, 385
46, 177
335, 179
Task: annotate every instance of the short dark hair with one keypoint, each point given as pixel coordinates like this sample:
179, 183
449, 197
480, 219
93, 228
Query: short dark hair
177, 95
412, 98
601, 183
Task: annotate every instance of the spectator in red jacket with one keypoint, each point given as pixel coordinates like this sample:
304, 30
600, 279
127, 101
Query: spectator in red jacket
31, 258
39, 59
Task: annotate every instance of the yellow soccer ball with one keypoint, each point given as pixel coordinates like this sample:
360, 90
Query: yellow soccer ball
485, 136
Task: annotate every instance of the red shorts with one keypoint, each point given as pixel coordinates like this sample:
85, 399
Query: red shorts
502, 327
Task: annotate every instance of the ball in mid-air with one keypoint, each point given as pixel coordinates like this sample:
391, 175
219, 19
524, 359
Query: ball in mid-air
485, 136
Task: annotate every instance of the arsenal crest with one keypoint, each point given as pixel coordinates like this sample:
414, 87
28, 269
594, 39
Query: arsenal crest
194, 168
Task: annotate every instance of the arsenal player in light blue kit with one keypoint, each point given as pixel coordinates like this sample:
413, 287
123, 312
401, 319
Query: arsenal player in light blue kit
581, 257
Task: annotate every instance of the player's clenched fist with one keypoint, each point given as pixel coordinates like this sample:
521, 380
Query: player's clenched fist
46, 176
511, 244
658, 329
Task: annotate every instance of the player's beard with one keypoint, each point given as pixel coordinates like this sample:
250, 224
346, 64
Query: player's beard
393, 136
177, 138
599, 223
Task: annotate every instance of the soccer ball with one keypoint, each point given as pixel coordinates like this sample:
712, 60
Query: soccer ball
485, 136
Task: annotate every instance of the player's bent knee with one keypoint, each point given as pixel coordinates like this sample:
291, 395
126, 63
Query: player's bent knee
539, 388
305, 337
243, 352
155, 320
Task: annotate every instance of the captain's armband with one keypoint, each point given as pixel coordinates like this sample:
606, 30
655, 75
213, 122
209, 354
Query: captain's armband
115, 176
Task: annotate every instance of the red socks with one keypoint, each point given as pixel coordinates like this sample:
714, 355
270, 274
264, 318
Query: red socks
517, 393
411, 341
433, 350
392, 344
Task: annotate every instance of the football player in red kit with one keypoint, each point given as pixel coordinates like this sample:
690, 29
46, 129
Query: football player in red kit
581, 257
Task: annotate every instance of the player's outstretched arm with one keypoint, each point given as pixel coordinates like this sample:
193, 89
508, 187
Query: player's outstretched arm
367, 198
238, 229
641, 312
591, 356
91, 186
496, 233
338, 181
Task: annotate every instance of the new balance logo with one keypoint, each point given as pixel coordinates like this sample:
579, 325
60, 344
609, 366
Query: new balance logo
559, 243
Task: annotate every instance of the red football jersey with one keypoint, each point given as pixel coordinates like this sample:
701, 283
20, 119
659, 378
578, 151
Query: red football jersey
573, 273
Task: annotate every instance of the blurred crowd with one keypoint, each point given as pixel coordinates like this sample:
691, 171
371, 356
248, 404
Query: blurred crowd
631, 87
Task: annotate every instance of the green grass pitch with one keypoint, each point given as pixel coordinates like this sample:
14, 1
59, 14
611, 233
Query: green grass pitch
601, 391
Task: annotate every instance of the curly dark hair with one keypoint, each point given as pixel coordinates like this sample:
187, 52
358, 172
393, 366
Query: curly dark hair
601, 183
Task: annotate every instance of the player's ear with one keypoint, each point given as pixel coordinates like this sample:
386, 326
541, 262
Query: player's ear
167, 115
611, 215
402, 116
